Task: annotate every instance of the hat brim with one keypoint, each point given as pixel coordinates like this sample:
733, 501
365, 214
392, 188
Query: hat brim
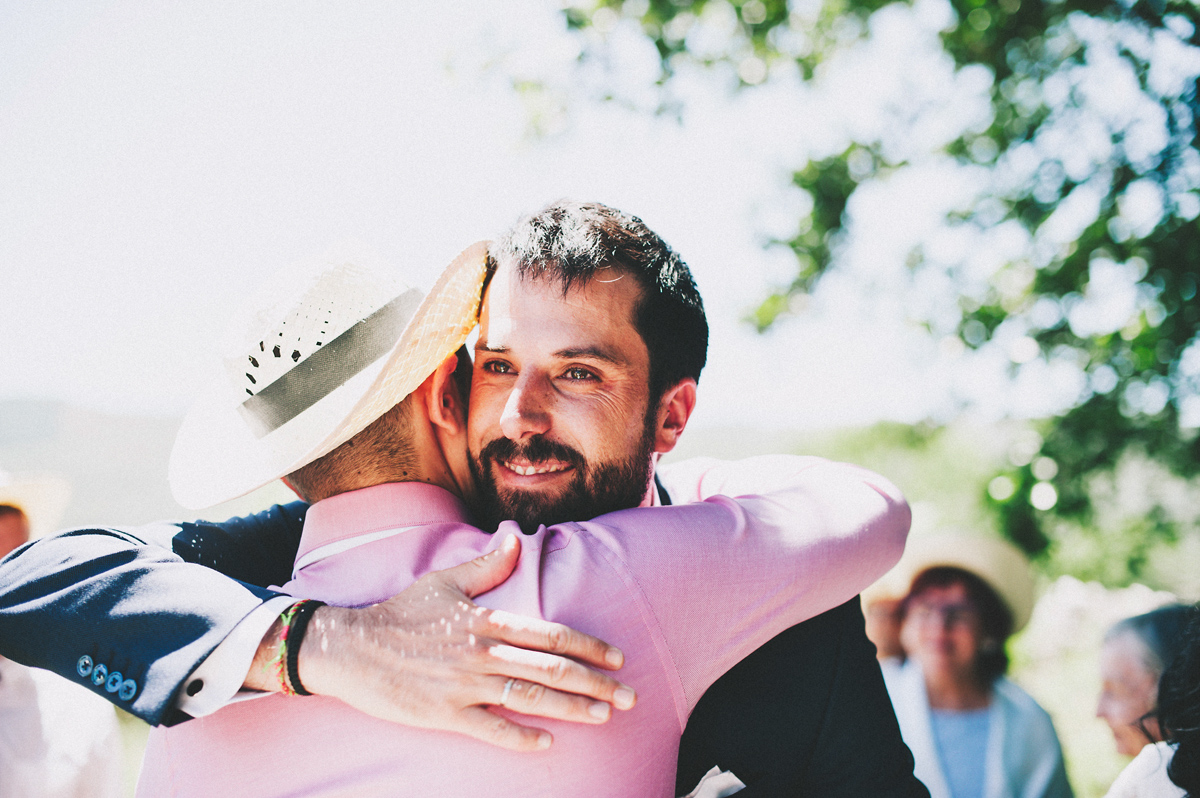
995, 561
217, 457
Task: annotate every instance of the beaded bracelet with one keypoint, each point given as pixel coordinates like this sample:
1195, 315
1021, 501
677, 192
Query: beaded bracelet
286, 661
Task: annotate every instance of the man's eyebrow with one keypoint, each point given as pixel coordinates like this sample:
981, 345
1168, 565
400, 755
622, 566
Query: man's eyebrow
574, 353
590, 353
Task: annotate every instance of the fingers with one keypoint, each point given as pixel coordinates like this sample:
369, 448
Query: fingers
530, 698
553, 638
485, 572
560, 675
489, 727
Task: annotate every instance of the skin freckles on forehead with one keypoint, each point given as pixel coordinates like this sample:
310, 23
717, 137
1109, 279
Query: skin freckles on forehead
594, 318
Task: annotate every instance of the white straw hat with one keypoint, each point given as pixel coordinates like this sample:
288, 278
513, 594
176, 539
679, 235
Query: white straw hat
336, 349
997, 562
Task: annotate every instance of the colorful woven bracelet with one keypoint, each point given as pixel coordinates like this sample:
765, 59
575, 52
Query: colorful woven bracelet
297, 624
286, 660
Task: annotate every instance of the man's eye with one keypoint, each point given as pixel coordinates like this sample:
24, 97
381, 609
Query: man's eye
497, 367
578, 373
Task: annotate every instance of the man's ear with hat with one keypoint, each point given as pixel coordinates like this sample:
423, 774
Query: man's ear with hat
333, 348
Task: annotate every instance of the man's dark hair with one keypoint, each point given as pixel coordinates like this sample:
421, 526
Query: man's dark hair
573, 242
995, 619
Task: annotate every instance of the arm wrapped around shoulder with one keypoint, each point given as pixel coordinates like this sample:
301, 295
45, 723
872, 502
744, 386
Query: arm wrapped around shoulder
854, 519
763, 544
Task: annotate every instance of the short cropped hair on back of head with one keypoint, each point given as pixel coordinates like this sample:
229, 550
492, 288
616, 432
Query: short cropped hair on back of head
572, 242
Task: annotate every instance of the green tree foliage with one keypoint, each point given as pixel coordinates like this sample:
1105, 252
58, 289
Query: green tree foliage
1115, 296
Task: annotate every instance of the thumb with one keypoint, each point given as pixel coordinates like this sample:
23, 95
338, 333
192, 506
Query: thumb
487, 571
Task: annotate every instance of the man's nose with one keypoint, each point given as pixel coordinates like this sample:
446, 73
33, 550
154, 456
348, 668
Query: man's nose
526, 411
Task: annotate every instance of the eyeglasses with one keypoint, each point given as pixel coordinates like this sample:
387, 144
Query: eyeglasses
949, 614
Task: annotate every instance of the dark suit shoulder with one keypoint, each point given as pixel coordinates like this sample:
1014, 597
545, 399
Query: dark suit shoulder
257, 549
807, 714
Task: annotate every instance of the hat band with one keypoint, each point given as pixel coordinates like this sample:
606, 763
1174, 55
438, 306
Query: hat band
328, 368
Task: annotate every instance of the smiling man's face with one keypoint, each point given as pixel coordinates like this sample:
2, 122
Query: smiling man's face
559, 426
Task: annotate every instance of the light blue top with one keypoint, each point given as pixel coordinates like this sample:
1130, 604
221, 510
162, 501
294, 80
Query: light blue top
961, 740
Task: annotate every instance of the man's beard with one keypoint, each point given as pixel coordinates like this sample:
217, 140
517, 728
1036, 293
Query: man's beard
595, 489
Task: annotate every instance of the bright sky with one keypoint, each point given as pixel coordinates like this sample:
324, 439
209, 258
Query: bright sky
160, 160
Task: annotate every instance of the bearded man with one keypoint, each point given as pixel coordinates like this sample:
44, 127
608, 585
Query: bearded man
564, 397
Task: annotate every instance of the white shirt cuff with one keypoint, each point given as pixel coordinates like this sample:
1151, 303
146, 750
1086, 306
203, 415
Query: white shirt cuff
217, 681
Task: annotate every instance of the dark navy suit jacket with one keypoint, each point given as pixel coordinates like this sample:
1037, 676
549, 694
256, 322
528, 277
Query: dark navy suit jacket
805, 715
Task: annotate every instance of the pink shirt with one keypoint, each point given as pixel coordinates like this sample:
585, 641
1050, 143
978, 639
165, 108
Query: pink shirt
685, 591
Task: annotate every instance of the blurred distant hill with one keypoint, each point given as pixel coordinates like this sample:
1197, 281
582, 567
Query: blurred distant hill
115, 465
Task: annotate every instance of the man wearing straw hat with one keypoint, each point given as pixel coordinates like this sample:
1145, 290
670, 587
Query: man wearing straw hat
525, 466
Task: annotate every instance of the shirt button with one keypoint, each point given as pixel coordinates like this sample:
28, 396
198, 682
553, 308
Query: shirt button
114, 682
100, 674
128, 690
84, 666
195, 686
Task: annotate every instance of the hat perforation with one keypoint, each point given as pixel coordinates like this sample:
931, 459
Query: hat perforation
300, 334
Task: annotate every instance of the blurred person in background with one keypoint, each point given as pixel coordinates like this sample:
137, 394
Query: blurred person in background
57, 740
881, 604
973, 733
1168, 767
14, 528
1135, 653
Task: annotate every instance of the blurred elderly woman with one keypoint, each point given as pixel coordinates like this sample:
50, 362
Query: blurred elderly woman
973, 733
1135, 653
1135, 693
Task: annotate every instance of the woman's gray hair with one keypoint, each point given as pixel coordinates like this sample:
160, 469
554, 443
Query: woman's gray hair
1160, 633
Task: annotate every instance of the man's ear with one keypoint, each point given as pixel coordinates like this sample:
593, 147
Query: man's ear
443, 400
674, 409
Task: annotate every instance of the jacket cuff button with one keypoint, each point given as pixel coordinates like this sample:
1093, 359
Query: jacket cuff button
114, 682
84, 666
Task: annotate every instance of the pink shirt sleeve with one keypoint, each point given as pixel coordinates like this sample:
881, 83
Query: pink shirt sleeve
771, 542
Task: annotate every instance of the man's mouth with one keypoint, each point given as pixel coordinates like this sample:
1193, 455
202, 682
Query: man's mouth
530, 469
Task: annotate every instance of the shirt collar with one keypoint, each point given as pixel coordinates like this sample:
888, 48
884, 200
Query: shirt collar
388, 506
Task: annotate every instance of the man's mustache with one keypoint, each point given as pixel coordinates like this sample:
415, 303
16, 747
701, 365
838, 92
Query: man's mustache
536, 449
